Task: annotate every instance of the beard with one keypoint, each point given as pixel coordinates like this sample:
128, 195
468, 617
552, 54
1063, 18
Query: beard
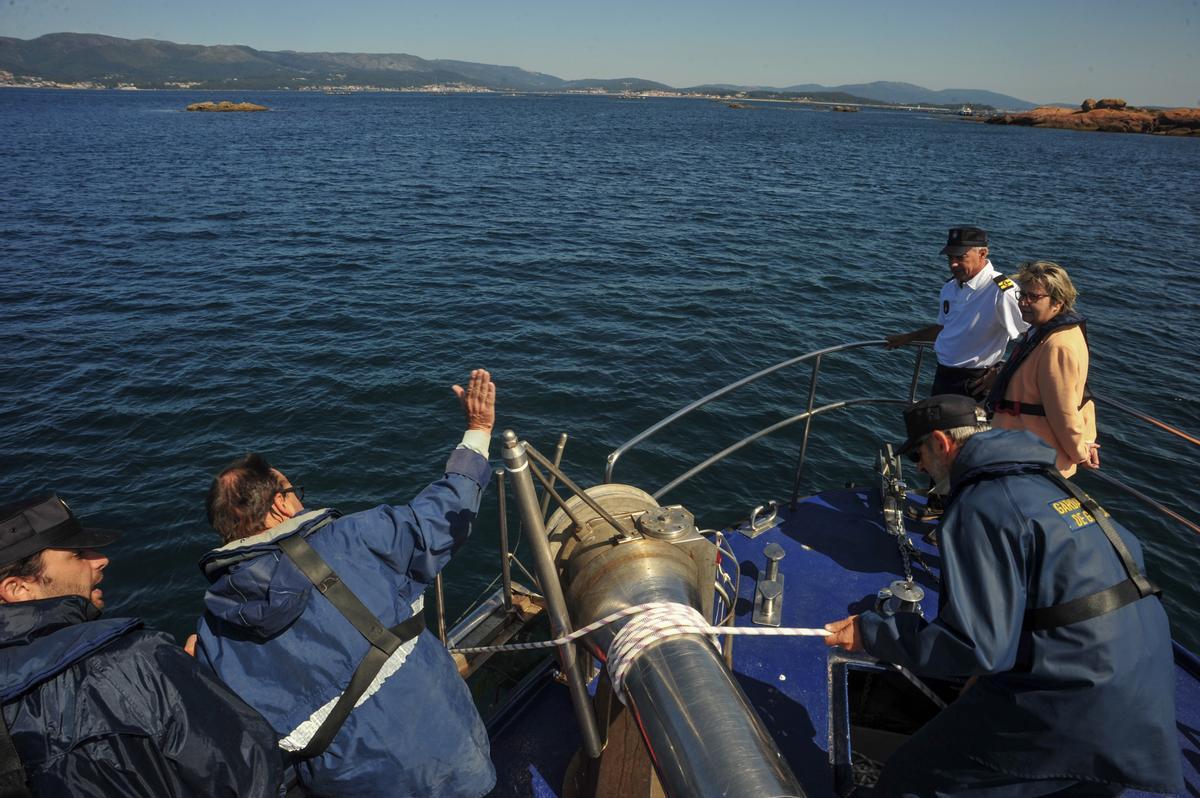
939, 472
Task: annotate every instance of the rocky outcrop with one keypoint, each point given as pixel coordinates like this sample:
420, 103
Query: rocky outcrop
225, 105
846, 109
1110, 115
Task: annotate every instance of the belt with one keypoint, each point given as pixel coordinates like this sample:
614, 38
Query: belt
962, 369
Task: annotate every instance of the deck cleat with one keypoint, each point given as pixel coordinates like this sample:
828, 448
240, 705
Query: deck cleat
901, 596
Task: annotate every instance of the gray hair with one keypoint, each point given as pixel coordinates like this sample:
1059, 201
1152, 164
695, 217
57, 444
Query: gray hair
961, 435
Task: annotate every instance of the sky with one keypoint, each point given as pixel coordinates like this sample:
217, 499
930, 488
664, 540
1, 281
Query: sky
1042, 51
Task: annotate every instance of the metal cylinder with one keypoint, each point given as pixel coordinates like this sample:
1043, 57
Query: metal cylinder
702, 734
517, 464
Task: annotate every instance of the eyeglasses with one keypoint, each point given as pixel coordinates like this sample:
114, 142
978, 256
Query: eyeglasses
296, 489
1026, 296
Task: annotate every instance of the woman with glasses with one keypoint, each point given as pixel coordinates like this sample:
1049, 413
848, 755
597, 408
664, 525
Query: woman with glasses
1043, 386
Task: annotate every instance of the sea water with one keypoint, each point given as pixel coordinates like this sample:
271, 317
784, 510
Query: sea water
181, 288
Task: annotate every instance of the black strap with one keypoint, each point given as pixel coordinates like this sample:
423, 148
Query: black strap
1026, 409
384, 642
12, 774
1136, 586
1082, 608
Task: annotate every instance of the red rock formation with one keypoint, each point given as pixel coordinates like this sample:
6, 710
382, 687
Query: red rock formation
1183, 118
1110, 116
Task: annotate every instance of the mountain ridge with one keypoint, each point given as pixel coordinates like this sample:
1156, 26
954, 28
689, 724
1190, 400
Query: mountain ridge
96, 58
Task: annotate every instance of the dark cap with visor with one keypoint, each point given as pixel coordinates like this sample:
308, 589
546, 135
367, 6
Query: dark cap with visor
45, 522
960, 239
945, 411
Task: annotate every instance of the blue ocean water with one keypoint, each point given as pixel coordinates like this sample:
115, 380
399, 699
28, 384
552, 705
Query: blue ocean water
181, 288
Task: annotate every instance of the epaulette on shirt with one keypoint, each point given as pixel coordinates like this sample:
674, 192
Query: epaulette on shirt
1002, 282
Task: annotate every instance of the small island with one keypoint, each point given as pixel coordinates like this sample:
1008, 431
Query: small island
1111, 115
845, 109
225, 105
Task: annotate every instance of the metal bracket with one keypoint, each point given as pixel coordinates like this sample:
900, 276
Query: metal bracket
758, 524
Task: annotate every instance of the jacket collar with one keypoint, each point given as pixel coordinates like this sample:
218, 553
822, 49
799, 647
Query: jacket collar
39, 639
220, 558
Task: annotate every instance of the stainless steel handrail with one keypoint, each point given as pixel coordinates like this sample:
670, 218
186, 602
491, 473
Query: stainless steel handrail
762, 433
1192, 439
733, 386
811, 412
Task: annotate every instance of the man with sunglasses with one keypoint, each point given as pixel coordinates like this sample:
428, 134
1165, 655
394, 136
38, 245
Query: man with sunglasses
1046, 607
101, 706
977, 317
315, 619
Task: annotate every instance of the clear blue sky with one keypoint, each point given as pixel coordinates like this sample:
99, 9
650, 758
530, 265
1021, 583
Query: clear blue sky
1048, 51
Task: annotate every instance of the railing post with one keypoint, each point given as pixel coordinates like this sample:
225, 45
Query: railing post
516, 462
505, 573
916, 380
440, 601
558, 453
812, 395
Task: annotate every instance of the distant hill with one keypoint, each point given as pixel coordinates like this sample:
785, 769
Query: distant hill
908, 94
149, 63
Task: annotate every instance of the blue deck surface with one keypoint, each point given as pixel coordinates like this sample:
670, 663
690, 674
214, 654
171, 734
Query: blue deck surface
837, 557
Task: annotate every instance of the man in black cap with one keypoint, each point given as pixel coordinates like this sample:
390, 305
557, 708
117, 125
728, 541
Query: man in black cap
1045, 602
97, 706
977, 317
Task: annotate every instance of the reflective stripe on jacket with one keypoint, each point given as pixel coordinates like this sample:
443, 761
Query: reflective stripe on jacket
289, 653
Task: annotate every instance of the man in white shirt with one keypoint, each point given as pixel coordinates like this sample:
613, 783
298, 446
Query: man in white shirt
977, 317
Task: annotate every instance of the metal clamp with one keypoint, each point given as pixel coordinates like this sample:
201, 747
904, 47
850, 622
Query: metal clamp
758, 524
768, 595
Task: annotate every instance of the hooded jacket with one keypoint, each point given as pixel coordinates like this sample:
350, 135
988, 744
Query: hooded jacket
1093, 700
101, 707
283, 647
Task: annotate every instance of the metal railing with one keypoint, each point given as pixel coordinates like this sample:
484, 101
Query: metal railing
812, 411
807, 416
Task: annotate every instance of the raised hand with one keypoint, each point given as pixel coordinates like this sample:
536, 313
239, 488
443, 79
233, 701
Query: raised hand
478, 400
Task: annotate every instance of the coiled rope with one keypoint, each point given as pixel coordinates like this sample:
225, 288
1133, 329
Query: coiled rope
650, 623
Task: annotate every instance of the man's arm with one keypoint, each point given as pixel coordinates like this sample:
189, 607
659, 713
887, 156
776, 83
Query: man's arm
429, 529
983, 603
929, 333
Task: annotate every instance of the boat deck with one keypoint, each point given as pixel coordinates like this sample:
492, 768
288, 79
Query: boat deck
837, 556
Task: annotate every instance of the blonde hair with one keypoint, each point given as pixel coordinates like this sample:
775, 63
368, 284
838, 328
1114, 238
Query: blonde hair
1055, 279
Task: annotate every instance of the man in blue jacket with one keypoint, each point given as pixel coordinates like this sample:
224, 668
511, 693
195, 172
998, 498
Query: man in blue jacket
295, 615
1044, 600
99, 706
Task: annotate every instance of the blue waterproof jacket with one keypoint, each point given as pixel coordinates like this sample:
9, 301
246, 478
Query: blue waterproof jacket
1093, 700
105, 708
282, 646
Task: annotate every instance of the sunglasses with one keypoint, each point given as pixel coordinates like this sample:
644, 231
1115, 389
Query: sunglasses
296, 489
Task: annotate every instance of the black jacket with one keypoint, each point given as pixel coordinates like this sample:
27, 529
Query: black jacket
104, 708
